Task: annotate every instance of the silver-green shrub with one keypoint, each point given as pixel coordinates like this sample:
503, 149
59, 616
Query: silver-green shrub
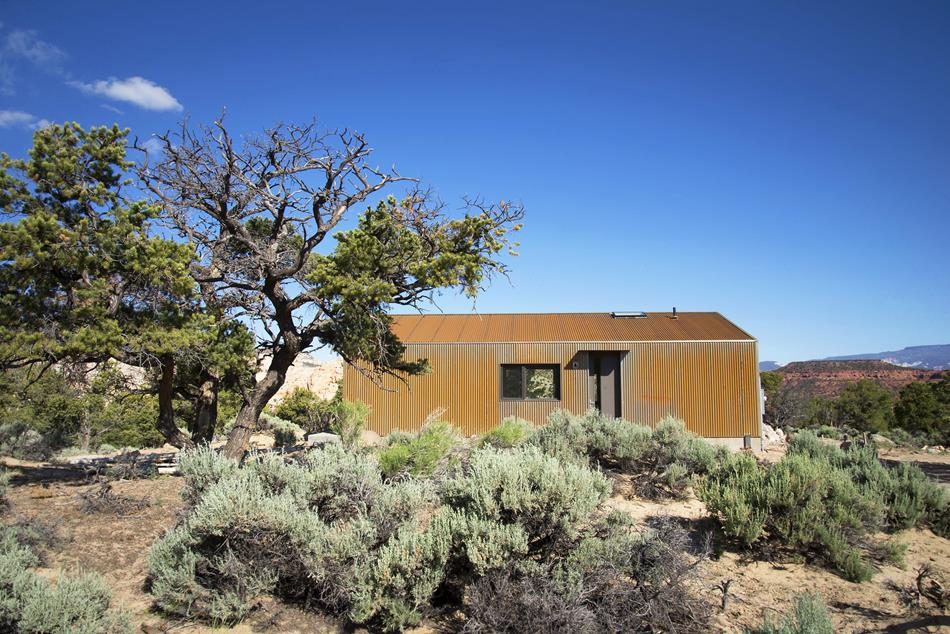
909, 498
29, 603
325, 530
549, 500
799, 504
807, 616
664, 461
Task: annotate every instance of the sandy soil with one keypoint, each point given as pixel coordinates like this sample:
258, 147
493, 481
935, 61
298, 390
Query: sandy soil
116, 547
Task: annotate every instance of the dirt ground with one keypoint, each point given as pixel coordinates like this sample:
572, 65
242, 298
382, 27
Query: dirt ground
116, 547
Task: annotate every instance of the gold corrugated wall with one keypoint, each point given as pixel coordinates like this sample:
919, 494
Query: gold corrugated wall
713, 386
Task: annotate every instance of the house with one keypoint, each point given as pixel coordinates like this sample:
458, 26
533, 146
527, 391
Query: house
696, 366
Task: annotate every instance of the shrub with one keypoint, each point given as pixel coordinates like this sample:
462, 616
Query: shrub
286, 434
418, 454
326, 530
807, 616
201, 467
314, 414
19, 440
106, 448
512, 432
798, 504
663, 462
304, 408
908, 497
824, 501
4, 483
349, 420
624, 581
548, 500
312, 532
73, 604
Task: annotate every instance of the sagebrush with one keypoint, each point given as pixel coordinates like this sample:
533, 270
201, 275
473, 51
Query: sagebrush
327, 531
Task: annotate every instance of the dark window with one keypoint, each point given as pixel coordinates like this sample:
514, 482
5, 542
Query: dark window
531, 382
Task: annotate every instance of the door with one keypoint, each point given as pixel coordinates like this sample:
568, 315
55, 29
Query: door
604, 383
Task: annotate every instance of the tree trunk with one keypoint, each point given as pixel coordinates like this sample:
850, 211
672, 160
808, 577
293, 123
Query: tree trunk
206, 411
263, 392
166, 408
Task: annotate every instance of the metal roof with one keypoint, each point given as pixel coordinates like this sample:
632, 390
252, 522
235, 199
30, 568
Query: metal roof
567, 327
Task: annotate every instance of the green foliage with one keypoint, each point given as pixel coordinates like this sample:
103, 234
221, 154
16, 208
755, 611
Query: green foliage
925, 408
819, 499
349, 420
665, 461
771, 382
511, 432
314, 414
546, 499
799, 504
807, 616
418, 454
286, 434
907, 496
74, 604
79, 255
4, 483
400, 248
304, 408
52, 413
327, 530
19, 441
865, 405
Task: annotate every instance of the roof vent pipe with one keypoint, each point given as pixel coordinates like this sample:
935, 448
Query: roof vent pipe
674, 313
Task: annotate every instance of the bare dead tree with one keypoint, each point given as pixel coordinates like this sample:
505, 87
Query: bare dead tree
257, 210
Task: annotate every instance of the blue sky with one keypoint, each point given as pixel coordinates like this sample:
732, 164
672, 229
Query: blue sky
786, 164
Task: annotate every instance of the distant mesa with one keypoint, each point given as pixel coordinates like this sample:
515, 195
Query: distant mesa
935, 357
925, 357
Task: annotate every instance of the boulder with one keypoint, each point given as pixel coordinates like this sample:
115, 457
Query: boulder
321, 439
771, 436
883, 441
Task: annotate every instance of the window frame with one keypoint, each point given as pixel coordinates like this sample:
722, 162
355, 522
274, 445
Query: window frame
524, 381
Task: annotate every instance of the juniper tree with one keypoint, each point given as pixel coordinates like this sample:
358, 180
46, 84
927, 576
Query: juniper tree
259, 212
82, 278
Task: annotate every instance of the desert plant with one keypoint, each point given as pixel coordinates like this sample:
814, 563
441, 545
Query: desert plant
621, 581
202, 467
286, 434
19, 440
908, 497
802, 504
662, 462
326, 530
511, 432
349, 420
420, 453
807, 616
550, 501
30, 603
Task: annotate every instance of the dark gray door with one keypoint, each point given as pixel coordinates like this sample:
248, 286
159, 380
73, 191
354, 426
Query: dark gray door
604, 384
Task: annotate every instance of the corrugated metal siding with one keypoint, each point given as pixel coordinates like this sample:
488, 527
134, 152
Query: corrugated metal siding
564, 327
713, 386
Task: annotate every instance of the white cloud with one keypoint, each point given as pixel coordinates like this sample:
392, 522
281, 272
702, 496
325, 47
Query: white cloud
111, 108
15, 118
153, 146
19, 46
20, 119
135, 90
27, 45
